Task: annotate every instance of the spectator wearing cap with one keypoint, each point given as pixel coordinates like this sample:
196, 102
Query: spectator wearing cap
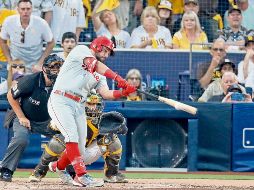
210, 20
165, 14
235, 33
150, 34
217, 90
189, 5
247, 13
190, 32
246, 66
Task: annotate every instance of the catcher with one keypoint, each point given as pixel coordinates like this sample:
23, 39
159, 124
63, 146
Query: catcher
102, 140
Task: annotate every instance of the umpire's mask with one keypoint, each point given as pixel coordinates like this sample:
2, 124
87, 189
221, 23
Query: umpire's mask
51, 66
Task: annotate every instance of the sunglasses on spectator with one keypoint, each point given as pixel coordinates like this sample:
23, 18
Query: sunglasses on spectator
22, 37
18, 66
134, 78
218, 49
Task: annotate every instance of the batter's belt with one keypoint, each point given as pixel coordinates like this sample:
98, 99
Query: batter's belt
71, 95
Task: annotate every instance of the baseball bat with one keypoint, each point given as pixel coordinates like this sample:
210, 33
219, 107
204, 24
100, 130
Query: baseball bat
177, 105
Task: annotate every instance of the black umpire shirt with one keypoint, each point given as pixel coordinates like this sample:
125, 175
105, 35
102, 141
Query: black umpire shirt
33, 95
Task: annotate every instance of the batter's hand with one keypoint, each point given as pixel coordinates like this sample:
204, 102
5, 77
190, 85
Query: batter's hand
128, 90
121, 83
25, 122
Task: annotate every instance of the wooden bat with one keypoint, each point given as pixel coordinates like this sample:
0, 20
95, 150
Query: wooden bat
177, 105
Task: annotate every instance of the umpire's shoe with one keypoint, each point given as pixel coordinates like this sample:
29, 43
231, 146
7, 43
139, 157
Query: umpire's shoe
118, 178
6, 175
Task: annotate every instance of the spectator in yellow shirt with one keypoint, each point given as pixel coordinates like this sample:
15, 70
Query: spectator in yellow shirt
4, 13
190, 32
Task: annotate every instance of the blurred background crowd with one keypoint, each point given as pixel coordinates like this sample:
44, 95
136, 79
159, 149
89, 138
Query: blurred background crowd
218, 26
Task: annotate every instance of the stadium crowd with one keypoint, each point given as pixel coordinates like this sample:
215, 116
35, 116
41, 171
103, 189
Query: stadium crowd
151, 24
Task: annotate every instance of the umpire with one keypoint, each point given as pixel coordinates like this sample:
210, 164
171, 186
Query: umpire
28, 99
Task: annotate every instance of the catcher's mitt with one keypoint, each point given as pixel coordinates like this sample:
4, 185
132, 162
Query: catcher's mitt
112, 122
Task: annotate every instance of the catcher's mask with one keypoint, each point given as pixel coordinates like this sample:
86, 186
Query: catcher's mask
94, 107
51, 66
100, 41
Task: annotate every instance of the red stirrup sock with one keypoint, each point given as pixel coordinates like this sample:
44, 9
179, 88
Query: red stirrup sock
63, 162
75, 158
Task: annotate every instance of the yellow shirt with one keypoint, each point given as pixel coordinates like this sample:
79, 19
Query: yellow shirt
180, 39
177, 6
4, 13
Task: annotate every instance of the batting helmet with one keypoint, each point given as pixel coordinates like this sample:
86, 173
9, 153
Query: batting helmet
97, 44
51, 66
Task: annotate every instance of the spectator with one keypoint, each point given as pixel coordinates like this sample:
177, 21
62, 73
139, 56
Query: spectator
247, 14
136, 8
41, 8
165, 14
150, 34
235, 32
17, 69
215, 88
206, 72
106, 24
134, 78
210, 20
189, 5
69, 41
227, 80
26, 34
4, 13
68, 16
246, 66
190, 32
235, 94
28, 99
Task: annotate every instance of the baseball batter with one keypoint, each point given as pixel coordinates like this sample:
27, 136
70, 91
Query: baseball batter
97, 144
81, 72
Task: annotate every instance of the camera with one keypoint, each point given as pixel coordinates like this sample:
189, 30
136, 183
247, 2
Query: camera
236, 96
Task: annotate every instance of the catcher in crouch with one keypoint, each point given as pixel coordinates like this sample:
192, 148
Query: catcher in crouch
101, 140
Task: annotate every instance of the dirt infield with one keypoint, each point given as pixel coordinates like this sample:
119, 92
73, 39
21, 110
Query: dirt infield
178, 184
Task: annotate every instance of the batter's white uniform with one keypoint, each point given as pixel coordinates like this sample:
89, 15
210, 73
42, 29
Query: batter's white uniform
162, 37
67, 114
67, 16
122, 39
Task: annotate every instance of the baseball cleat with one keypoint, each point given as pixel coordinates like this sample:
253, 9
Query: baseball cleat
87, 181
63, 174
118, 178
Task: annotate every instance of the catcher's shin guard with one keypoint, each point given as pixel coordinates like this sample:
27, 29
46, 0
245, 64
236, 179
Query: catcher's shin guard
112, 157
52, 151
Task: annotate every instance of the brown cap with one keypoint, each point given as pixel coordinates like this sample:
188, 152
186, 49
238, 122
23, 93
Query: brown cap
191, 1
235, 8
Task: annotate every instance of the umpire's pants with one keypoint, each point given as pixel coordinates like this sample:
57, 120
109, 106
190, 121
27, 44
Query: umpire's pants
20, 140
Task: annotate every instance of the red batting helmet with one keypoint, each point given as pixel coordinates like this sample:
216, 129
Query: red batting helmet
97, 44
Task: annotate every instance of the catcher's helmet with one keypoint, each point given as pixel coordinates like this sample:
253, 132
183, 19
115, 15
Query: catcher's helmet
94, 107
51, 66
97, 44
